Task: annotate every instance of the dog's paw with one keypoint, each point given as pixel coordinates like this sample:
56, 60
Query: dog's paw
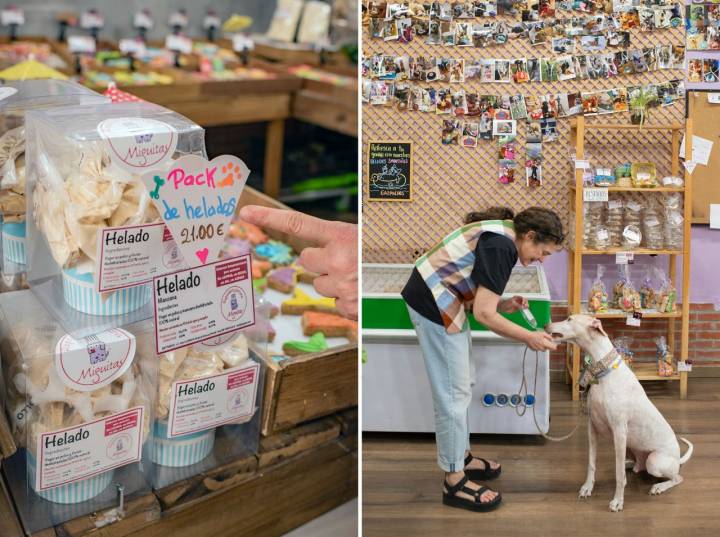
586, 490
616, 505
656, 489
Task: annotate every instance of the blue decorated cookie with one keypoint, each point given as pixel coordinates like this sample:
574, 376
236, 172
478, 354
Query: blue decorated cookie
276, 252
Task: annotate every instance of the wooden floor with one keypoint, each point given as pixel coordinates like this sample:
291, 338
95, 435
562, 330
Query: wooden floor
541, 479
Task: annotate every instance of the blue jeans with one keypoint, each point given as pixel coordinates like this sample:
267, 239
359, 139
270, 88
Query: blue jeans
451, 373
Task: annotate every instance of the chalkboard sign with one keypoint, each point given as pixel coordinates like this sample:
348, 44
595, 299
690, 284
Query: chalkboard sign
389, 170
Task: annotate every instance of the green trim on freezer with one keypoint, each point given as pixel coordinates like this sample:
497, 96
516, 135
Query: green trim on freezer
391, 314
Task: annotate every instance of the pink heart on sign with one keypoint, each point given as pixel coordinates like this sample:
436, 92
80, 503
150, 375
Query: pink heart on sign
202, 255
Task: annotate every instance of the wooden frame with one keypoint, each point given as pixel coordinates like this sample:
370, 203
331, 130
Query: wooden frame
578, 131
410, 171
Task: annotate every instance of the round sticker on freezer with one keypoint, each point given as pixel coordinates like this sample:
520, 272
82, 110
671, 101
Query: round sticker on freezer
138, 144
92, 362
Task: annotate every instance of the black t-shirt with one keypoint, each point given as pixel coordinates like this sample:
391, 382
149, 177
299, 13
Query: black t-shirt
495, 257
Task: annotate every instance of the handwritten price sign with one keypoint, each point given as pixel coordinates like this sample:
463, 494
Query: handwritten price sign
197, 200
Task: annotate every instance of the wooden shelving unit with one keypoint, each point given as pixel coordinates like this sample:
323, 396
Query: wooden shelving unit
578, 130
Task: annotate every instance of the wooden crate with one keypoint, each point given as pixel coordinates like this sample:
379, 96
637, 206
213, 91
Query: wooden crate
316, 108
294, 53
308, 386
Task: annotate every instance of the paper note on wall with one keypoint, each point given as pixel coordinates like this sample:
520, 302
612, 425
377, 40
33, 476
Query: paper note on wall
701, 149
714, 216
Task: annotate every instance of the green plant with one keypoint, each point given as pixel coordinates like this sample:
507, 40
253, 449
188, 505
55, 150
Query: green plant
640, 103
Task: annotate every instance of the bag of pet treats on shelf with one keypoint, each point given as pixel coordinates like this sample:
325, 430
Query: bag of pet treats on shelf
622, 345
667, 296
598, 298
648, 296
625, 296
664, 358
88, 161
80, 412
25, 95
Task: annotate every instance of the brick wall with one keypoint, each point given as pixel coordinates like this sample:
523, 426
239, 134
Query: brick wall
704, 335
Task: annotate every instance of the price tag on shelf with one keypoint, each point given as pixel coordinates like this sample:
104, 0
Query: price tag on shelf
179, 43
624, 258
90, 20
12, 15
595, 194
211, 21
143, 20
634, 319
132, 46
178, 19
713, 98
81, 44
684, 367
582, 164
242, 42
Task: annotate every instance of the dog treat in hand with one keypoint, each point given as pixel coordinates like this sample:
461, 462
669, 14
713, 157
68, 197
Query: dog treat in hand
329, 324
316, 343
302, 302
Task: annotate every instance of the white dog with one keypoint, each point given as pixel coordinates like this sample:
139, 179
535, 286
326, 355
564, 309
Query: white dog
618, 406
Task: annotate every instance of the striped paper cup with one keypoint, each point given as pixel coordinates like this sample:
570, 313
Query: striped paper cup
76, 492
79, 292
180, 451
13, 242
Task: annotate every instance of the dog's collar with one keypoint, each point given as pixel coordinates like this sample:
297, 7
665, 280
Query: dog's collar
596, 370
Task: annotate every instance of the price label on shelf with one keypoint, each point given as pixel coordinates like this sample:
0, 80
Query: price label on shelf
582, 164
684, 367
132, 46
634, 319
90, 20
178, 19
81, 44
624, 258
9, 16
179, 43
595, 194
211, 21
143, 20
631, 235
242, 42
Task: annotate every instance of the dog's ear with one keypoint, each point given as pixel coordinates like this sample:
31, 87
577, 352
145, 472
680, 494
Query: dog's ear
597, 325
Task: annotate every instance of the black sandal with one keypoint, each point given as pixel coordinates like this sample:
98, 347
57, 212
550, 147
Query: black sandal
453, 500
476, 474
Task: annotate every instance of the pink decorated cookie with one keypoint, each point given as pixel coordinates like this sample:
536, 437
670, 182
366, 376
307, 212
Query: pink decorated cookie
245, 230
234, 247
282, 279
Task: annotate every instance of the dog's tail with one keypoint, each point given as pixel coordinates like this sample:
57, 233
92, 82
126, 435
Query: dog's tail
688, 453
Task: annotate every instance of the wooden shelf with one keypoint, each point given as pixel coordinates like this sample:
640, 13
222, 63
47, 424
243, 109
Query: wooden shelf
619, 314
645, 371
640, 251
638, 189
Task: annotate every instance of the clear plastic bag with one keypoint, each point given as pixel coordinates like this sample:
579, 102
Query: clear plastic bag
625, 296
663, 357
674, 222
648, 296
592, 220
614, 221
622, 346
598, 298
631, 237
667, 297
633, 214
653, 227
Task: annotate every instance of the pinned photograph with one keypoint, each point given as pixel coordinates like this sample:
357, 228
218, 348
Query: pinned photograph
482, 35
666, 94
589, 103
488, 104
711, 70
402, 96
533, 108
563, 45
533, 173
618, 39
485, 126
443, 101
550, 106
486, 9
518, 109
463, 34
446, 11
610, 65
549, 70
433, 36
390, 31
366, 90
377, 9
506, 174
459, 103
427, 102
537, 35
581, 67
637, 57
451, 132
421, 27
504, 127
470, 134
546, 8
405, 30
663, 16
473, 104
647, 19
402, 68
488, 71
695, 70
623, 63
473, 69
570, 104
620, 100
444, 65
379, 93
502, 71
457, 72
593, 43
396, 10
549, 130
519, 71
376, 27
664, 57
650, 57
534, 133
508, 148
566, 67
629, 20
606, 101
416, 96
534, 70
447, 33
463, 10
712, 38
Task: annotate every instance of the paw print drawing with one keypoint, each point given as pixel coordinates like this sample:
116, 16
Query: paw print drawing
233, 174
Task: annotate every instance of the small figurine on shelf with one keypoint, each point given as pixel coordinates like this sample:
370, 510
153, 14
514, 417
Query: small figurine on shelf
598, 298
643, 175
622, 345
664, 358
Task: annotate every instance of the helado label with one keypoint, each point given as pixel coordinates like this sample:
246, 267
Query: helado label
95, 361
203, 303
133, 255
208, 402
138, 144
86, 450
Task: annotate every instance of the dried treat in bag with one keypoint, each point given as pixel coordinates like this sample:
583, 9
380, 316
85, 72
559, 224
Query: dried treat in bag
631, 237
663, 357
622, 346
667, 297
628, 299
653, 227
598, 298
648, 297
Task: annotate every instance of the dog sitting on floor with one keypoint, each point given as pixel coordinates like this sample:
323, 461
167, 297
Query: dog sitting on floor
619, 407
